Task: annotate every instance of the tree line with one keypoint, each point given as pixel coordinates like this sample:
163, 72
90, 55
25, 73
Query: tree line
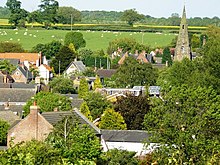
50, 12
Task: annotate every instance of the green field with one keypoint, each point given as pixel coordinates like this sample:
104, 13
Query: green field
95, 40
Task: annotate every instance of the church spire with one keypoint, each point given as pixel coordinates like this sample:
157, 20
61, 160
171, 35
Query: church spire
182, 46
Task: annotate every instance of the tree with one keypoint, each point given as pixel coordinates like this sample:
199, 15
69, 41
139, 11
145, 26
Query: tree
65, 15
115, 156
133, 109
4, 126
195, 41
97, 83
6, 66
48, 10
62, 85
62, 59
49, 50
186, 125
192, 73
48, 101
112, 120
131, 16
18, 15
132, 73
83, 88
75, 142
10, 47
97, 104
33, 17
167, 56
125, 44
85, 110
32, 152
76, 38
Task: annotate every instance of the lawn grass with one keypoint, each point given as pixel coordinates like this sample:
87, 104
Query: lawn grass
95, 40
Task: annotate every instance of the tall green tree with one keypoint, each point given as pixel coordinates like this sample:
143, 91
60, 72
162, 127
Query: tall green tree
186, 125
49, 50
4, 126
112, 120
65, 15
18, 15
131, 16
62, 59
75, 142
48, 101
132, 73
83, 90
97, 83
85, 110
48, 12
97, 104
133, 109
167, 56
62, 85
76, 38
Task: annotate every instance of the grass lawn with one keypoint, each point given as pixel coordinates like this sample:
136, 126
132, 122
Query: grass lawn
95, 40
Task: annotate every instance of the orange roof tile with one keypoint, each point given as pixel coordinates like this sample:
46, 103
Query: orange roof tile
47, 67
31, 57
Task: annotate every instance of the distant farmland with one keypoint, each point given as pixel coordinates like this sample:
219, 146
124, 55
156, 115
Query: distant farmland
95, 40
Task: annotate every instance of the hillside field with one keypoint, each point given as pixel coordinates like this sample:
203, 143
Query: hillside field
95, 40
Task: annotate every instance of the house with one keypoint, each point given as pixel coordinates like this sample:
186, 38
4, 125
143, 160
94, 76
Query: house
5, 77
15, 109
22, 75
45, 73
75, 67
33, 58
105, 73
38, 126
130, 140
75, 100
139, 57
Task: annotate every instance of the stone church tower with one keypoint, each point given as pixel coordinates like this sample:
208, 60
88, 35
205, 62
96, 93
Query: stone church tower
182, 46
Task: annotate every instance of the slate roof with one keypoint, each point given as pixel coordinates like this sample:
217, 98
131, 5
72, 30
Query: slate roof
54, 117
12, 61
16, 94
135, 136
17, 109
25, 72
79, 65
17, 85
8, 116
3, 148
106, 73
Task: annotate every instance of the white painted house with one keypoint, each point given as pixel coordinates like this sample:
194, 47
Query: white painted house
75, 67
130, 140
45, 73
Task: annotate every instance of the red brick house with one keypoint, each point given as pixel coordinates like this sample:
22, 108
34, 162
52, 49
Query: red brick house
38, 125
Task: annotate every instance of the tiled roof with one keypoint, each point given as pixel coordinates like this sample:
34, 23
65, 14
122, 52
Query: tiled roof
8, 116
47, 67
31, 57
106, 73
16, 94
54, 117
125, 136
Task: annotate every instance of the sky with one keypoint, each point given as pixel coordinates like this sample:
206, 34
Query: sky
154, 8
